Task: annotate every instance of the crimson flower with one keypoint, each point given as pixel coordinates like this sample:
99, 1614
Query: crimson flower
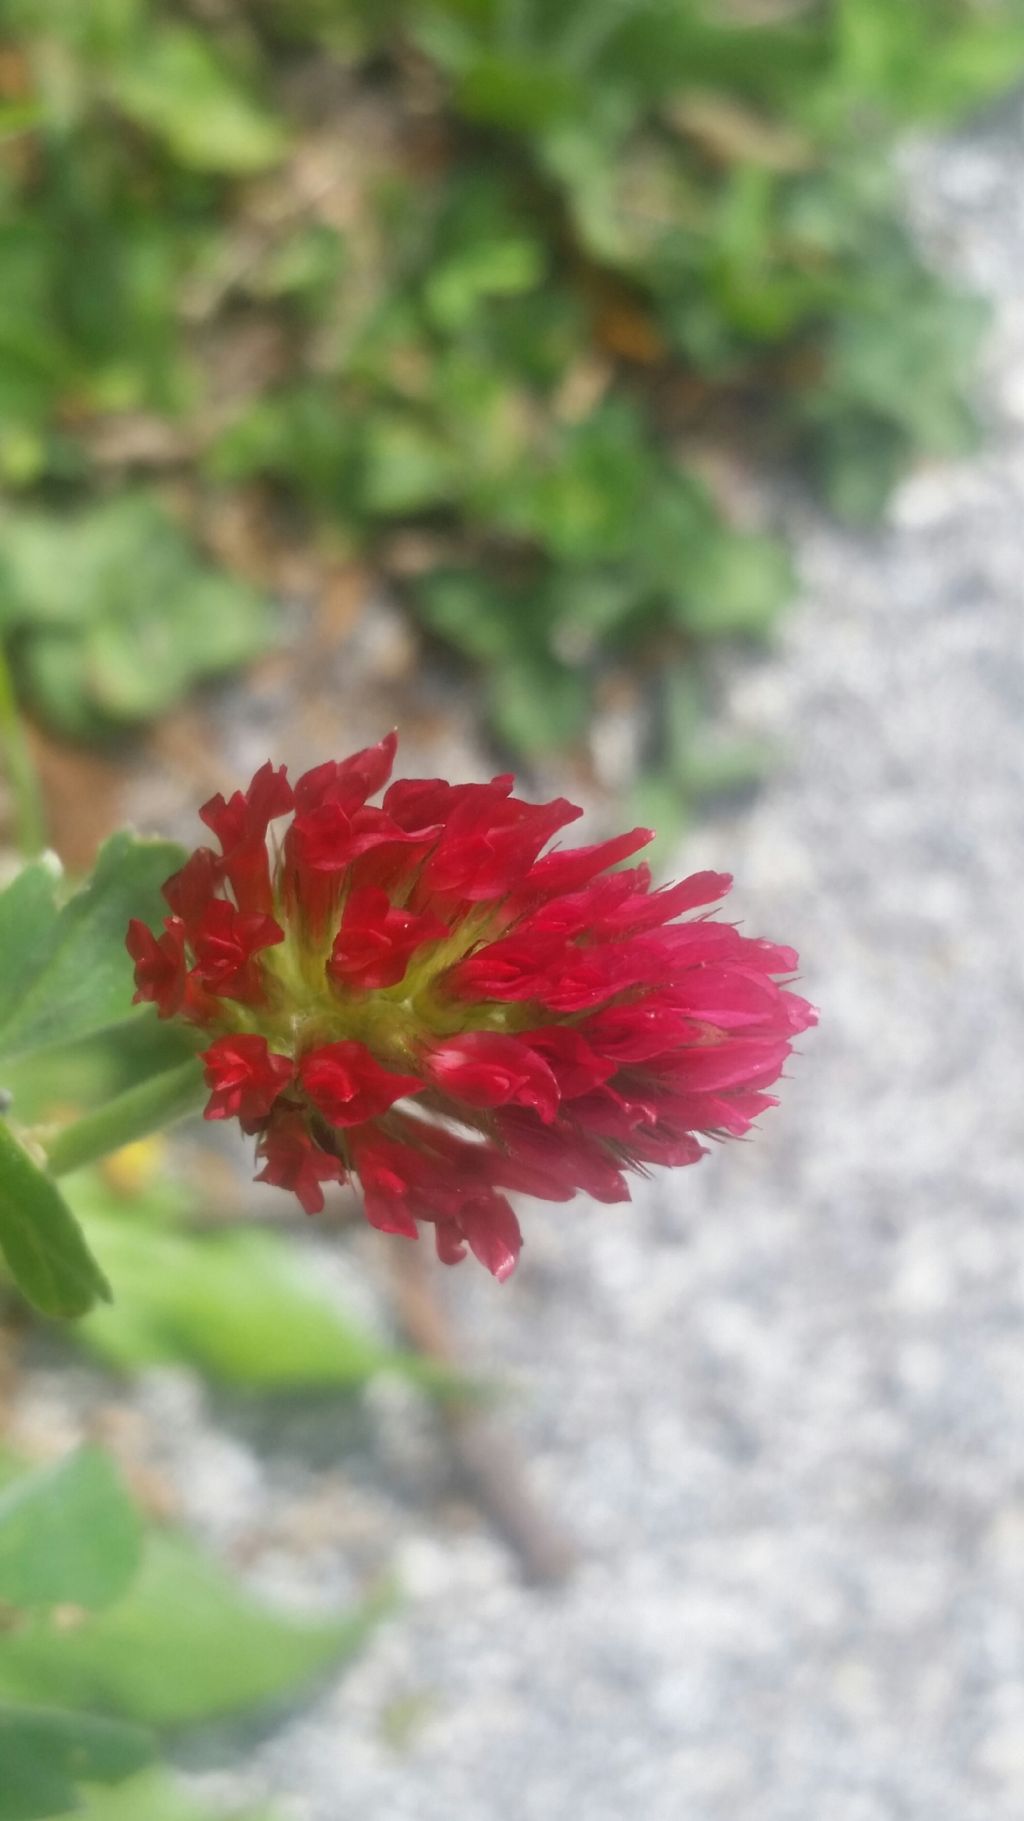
555, 1022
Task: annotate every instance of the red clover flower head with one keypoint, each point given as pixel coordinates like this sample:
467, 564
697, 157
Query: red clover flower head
416, 997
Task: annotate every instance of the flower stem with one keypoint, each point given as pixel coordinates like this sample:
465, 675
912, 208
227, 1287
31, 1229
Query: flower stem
157, 1102
28, 803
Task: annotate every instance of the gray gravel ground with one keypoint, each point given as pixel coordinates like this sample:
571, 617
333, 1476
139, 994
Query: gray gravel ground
780, 1401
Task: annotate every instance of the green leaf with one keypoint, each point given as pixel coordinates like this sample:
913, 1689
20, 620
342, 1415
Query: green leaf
175, 86
45, 1754
537, 704
87, 1076
307, 265
186, 1644
244, 1306
523, 95
299, 433
684, 708
928, 60
658, 802
473, 614
40, 1239
69, 1534
28, 912
78, 978
407, 466
718, 767
901, 356
156, 1101
856, 461
585, 503
735, 586
116, 615
50, 677
157, 1797
594, 605
140, 662
486, 268
697, 761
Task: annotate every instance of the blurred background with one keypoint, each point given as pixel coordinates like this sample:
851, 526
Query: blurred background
630, 394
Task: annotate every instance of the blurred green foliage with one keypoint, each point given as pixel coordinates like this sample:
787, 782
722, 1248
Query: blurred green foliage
68, 1535
110, 616
243, 1305
69, 1538
46, 1754
185, 1645
155, 1796
239, 1303
114, 1631
65, 977
483, 271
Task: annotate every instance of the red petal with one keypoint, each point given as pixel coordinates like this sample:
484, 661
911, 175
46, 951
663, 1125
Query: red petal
492, 1231
189, 890
346, 1082
489, 842
488, 1070
451, 1246
347, 782
576, 1067
244, 1078
554, 1161
567, 871
160, 972
649, 909
753, 1062
369, 770
240, 824
293, 1161
376, 941
637, 1031
226, 943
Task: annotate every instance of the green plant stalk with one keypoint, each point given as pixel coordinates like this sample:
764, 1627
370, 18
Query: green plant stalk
28, 804
157, 1102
